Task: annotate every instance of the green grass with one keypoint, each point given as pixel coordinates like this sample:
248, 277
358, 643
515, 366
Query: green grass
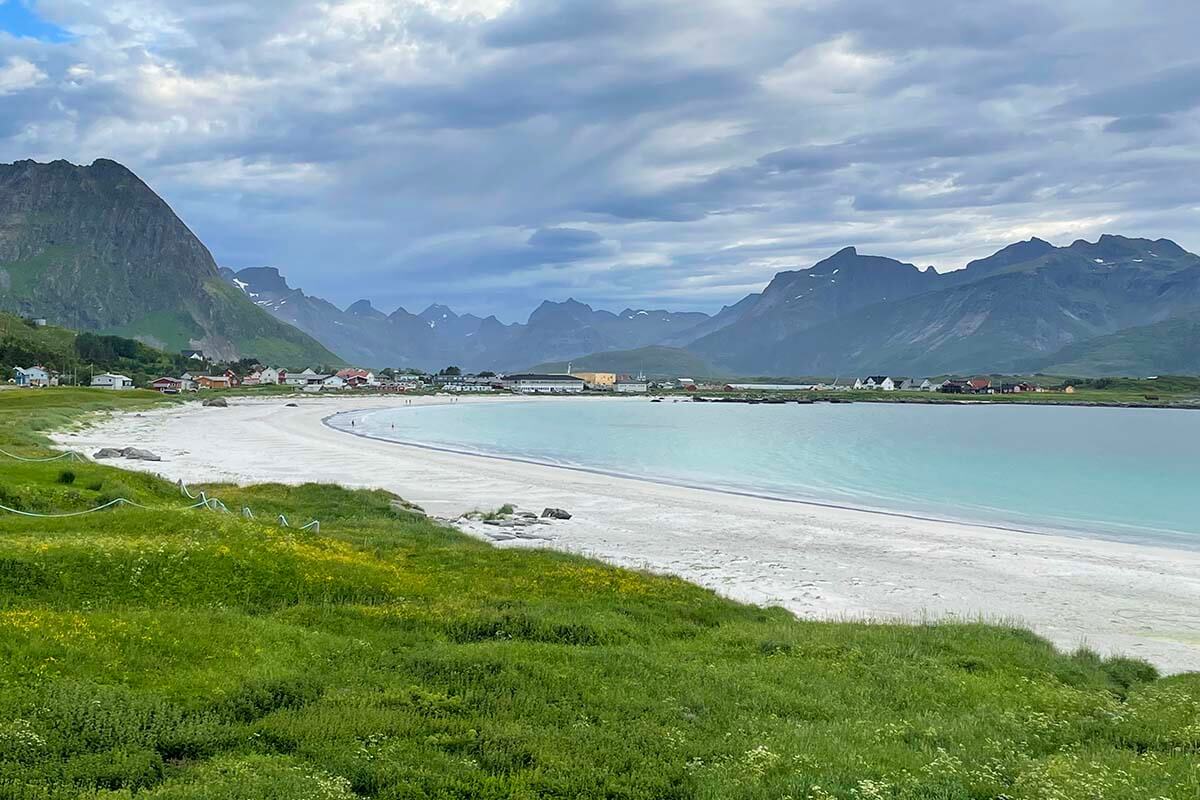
189, 654
167, 330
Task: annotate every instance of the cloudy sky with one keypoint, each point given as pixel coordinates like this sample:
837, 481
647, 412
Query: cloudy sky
658, 153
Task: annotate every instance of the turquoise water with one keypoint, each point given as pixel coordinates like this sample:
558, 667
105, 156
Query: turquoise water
1130, 474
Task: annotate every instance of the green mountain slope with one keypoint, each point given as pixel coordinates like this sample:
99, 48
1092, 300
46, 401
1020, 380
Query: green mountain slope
94, 248
1171, 347
655, 362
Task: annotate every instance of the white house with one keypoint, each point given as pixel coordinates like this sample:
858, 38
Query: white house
31, 376
306, 378
534, 383
268, 376
333, 382
110, 380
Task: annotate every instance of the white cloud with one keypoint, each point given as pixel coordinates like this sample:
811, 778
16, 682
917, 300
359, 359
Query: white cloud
19, 74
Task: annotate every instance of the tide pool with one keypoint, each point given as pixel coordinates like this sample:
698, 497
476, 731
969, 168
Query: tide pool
1128, 474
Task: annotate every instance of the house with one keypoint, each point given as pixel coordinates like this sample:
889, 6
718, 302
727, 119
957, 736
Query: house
954, 386
167, 385
355, 377
908, 384
876, 382
253, 379
687, 384
189, 382
31, 376
1069, 389
603, 381
232, 377
980, 386
110, 380
333, 382
38, 322
1019, 388
536, 383
306, 378
212, 382
193, 355
471, 383
629, 385
270, 376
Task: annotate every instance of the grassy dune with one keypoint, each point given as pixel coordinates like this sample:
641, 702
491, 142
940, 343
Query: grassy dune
192, 654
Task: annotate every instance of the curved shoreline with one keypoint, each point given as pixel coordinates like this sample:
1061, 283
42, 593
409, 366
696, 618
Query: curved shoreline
818, 562
1168, 540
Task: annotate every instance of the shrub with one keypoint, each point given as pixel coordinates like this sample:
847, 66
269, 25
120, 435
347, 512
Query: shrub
66, 477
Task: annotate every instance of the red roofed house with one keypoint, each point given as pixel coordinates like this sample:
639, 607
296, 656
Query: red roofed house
355, 377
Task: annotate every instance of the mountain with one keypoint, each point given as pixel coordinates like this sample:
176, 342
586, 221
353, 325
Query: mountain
560, 331
438, 337
654, 362
95, 249
1015, 308
850, 313
801, 299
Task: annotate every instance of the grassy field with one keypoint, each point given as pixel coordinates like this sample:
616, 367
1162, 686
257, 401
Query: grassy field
166, 653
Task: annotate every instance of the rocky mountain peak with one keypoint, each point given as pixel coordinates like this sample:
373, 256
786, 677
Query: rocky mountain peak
262, 279
363, 308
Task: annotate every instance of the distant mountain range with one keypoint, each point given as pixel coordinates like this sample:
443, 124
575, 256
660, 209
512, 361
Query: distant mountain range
438, 337
1116, 306
94, 248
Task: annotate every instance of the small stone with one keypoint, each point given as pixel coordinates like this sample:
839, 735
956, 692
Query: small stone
555, 513
216, 402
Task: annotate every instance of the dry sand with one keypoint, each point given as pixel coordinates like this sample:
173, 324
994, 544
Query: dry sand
819, 562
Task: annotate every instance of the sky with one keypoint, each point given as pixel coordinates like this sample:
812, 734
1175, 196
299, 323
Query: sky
489, 154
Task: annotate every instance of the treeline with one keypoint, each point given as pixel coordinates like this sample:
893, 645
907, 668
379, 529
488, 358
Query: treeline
81, 355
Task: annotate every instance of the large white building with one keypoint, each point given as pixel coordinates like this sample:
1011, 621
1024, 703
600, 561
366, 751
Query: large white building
534, 383
111, 380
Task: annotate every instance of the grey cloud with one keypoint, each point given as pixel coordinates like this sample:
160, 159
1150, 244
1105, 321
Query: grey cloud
1138, 124
1174, 89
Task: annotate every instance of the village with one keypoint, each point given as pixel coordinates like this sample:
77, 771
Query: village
452, 380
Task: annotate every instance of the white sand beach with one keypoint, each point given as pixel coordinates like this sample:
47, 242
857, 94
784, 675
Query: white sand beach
819, 562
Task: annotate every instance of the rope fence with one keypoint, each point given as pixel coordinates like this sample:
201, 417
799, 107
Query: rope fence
202, 500
71, 454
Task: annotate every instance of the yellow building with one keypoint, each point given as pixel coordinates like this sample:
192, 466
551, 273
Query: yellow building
598, 380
